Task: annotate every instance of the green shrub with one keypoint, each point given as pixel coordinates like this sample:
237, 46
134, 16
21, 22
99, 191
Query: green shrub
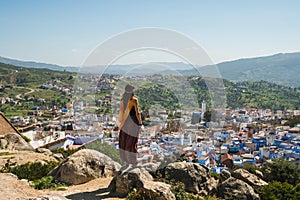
180, 193
33, 171
5, 153
65, 153
47, 182
278, 191
27, 139
282, 171
215, 175
249, 167
136, 195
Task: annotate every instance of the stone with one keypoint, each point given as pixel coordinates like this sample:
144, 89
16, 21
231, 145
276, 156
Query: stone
16, 142
195, 177
259, 174
151, 168
3, 144
233, 188
224, 175
58, 156
139, 178
157, 191
129, 177
85, 165
44, 151
249, 178
42, 162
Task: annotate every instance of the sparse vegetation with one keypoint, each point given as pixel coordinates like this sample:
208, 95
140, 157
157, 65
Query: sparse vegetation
33, 171
65, 153
106, 149
47, 182
5, 153
282, 171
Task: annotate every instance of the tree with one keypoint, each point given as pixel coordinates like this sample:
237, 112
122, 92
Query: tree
278, 191
282, 171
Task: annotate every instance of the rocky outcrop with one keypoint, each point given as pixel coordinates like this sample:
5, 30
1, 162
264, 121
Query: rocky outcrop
128, 178
157, 191
224, 175
85, 165
259, 174
233, 188
58, 156
151, 168
140, 179
249, 178
14, 141
196, 178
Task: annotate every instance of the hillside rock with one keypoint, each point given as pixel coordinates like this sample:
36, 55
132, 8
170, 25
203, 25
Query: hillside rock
129, 177
259, 174
141, 179
151, 168
224, 175
249, 178
196, 178
233, 188
13, 141
85, 165
13, 188
157, 191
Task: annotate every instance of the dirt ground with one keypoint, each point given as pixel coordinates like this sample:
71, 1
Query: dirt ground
22, 157
11, 188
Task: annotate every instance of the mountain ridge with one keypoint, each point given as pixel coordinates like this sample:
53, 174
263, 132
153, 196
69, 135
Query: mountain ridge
281, 68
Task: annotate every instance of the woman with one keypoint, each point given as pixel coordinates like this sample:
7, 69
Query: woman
130, 126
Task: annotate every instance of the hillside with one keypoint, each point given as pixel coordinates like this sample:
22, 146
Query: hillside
26, 82
31, 64
10, 74
282, 69
260, 94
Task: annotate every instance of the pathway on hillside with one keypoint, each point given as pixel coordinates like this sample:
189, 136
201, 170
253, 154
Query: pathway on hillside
18, 96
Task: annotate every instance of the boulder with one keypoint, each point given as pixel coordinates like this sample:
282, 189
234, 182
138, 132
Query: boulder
3, 144
16, 142
139, 178
151, 168
224, 175
195, 177
128, 178
85, 165
44, 151
58, 156
249, 178
157, 191
233, 188
259, 174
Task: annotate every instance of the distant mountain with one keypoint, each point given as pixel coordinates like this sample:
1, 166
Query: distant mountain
32, 64
282, 69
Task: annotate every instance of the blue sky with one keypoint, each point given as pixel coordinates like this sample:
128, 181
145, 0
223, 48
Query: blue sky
64, 32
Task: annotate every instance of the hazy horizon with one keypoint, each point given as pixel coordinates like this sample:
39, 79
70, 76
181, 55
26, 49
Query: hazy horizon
66, 32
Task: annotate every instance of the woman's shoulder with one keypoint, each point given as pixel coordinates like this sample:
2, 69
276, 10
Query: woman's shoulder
134, 99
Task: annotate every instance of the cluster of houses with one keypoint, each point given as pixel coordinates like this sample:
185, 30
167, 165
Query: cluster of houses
240, 141
241, 137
